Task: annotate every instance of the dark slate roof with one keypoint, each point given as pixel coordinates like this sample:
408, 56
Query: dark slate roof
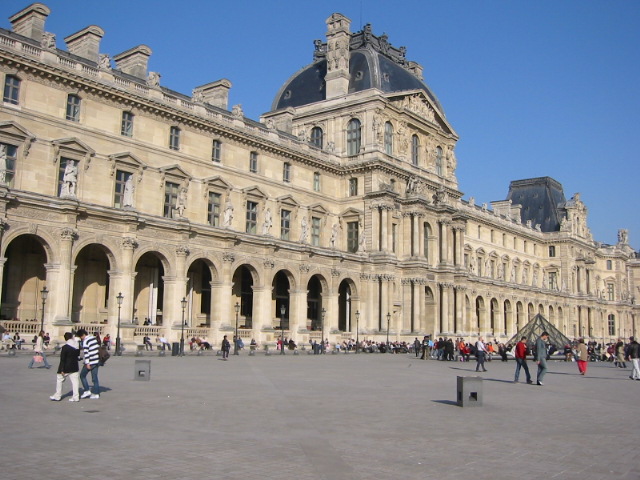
542, 199
373, 63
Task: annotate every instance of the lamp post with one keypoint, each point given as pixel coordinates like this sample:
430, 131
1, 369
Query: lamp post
322, 331
119, 299
44, 293
183, 302
282, 312
357, 328
235, 341
388, 322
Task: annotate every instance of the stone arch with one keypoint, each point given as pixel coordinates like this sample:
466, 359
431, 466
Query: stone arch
494, 317
507, 315
281, 287
94, 262
24, 275
317, 286
201, 273
244, 279
149, 286
480, 314
346, 310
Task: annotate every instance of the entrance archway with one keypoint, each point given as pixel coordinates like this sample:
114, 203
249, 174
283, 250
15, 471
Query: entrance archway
91, 285
149, 289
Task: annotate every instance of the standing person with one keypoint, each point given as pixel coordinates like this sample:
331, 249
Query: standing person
68, 367
91, 361
634, 355
425, 348
225, 348
38, 349
481, 351
521, 360
416, 347
541, 356
620, 353
583, 357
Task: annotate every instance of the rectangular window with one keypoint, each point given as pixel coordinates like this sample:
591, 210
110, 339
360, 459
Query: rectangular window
174, 138
216, 151
252, 217
611, 293
10, 152
11, 90
286, 172
126, 128
253, 162
352, 237
493, 235
609, 265
611, 320
73, 108
353, 187
170, 198
121, 181
394, 237
285, 224
553, 280
213, 209
316, 182
552, 251
315, 231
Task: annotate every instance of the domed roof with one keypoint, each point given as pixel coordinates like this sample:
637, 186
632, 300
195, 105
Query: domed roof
373, 63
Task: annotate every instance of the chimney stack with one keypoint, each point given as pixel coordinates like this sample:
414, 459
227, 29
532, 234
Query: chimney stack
134, 61
30, 21
338, 40
214, 93
86, 42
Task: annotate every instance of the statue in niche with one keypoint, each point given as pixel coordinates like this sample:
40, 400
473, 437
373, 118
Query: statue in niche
3, 164
362, 240
500, 271
181, 202
525, 276
376, 126
127, 200
513, 274
304, 230
69, 179
334, 234
227, 216
268, 222
535, 278
472, 265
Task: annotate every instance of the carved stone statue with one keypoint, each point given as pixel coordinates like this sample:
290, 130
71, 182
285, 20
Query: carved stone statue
153, 79
236, 111
69, 179
181, 202
304, 230
268, 221
623, 236
362, 240
127, 200
3, 164
227, 216
334, 235
104, 63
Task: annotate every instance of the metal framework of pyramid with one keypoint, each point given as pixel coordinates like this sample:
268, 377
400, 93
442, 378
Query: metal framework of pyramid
535, 327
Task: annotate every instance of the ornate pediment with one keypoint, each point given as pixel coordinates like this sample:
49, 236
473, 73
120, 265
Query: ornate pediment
318, 208
15, 130
174, 170
126, 160
217, 182
254, 191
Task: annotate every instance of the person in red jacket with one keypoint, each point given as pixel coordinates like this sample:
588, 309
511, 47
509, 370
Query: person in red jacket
521, 360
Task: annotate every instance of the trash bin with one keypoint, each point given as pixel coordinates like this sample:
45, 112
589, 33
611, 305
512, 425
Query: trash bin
142, 370
175, 349
469, 392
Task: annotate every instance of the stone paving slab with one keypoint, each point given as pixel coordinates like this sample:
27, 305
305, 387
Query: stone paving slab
365, 416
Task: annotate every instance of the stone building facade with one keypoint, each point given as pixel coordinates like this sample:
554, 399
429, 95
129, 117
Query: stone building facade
338, 214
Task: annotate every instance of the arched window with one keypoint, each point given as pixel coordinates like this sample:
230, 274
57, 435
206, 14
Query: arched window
388, 138
439, 161
316, 137
354, 137
415, 149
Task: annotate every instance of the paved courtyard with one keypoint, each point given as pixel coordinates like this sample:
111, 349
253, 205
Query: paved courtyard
365, 416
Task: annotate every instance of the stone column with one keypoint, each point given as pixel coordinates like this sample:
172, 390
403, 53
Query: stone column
262, 311
421, 238
62, 291
443, 242
297, 312
444, 295
375, 229
226, 301
417, 288
384, 228
124, 280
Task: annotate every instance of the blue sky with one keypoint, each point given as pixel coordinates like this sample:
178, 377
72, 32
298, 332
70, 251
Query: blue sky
535, 88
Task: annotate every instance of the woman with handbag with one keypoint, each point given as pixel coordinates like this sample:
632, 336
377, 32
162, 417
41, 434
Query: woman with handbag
38, 350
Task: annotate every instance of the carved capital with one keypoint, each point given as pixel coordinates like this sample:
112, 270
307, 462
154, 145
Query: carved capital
228, 257
269, 264
335, 272
304, 268
182, 251
129, 243
68, 234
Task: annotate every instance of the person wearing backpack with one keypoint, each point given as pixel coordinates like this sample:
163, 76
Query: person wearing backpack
90, 348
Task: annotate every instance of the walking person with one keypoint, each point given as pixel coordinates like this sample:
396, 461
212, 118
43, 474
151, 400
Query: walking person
521, 360
68, 368
38, 350
620, 354
416, 347
225, 348
481, 351
634, 355
91, 361
583, 357
541, 356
